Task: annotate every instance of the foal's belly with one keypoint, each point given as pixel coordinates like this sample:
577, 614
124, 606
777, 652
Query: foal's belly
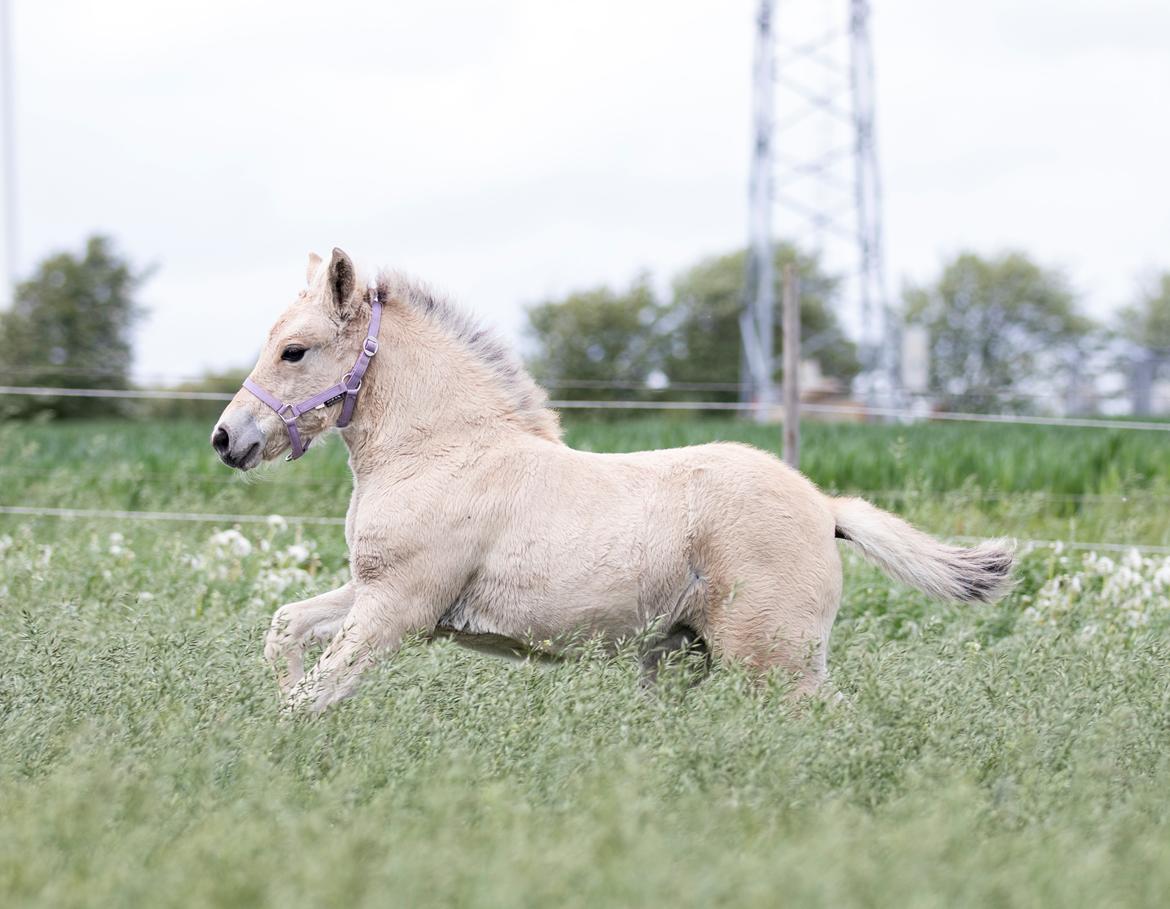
492, 644
514, 622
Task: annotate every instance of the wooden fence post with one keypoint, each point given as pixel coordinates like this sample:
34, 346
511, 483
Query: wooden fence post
791, 304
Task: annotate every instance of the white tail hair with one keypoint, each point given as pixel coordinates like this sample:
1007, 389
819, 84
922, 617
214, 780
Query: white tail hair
979, 573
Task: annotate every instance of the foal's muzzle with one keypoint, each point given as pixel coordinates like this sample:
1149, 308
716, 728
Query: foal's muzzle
238, 445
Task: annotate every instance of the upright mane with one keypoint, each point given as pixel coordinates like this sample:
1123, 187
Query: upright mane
529, 401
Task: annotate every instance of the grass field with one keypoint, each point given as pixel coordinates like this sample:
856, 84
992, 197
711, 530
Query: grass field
1012, 755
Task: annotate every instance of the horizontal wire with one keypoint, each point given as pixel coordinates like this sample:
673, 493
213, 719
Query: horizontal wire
152, 394
193, 517
1018, 419
1077, 545
626, 385
864, 411
1063, 497
276, 480
730, 406
199, 517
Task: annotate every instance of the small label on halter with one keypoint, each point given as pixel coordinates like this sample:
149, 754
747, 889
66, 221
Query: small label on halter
333, 400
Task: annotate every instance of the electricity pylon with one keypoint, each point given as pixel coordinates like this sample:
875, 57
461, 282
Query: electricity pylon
814, 175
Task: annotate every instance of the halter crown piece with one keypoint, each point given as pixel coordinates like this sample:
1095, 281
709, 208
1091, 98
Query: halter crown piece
347, 388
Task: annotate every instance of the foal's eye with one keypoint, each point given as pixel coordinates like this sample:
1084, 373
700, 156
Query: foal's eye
293, 354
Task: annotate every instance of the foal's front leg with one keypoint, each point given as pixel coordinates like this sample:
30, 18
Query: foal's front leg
375, 627
296, 625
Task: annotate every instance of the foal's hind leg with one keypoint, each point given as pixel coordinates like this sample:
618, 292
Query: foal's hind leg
680, 641
775, 614
296, 625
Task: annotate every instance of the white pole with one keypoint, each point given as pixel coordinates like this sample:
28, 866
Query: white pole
791, 306
8, 129
758, 316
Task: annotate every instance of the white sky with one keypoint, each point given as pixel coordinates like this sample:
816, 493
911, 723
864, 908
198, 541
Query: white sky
508, 150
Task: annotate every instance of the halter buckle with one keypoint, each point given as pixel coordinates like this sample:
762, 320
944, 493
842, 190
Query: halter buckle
366, 346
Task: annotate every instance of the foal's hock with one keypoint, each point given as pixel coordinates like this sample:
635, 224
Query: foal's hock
471, 518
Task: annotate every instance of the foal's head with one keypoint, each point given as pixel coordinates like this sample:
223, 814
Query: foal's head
311, 346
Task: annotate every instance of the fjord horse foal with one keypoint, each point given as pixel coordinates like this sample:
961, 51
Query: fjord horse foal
470, 517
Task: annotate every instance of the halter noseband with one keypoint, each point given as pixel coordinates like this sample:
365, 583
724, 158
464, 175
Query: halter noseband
347, 388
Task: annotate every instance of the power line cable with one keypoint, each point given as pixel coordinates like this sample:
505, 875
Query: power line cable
209, 518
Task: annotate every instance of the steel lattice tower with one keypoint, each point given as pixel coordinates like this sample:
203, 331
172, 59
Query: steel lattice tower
814, 175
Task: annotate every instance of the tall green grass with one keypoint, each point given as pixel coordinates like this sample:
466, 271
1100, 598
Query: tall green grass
953, 479
1008, 755
935, 457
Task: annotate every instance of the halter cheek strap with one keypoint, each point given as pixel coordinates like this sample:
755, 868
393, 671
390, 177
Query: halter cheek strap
346, 390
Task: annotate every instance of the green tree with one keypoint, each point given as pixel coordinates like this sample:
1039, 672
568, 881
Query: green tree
1147, 321
70, 326
594, 341
703, 333
996, 325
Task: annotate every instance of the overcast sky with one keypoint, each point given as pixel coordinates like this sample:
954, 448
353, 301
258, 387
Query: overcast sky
507, 151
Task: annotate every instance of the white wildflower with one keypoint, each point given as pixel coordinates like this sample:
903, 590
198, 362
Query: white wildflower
1123, 578
297, 553
1161, 576
276, 581
232, 541
1099, 565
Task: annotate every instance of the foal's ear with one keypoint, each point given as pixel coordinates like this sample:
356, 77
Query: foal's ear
311, 270
342, 284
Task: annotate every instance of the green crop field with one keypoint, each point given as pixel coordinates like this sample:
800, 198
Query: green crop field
1007, 755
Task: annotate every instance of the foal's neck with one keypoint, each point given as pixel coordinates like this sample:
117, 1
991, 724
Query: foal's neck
418, 412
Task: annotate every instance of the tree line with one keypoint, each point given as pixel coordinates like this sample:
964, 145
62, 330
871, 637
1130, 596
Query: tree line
998, 327
1003, 332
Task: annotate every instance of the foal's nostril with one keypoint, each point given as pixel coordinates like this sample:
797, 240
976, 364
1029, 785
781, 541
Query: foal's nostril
221, 441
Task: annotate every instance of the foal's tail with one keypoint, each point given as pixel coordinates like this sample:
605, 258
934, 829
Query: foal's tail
979, 573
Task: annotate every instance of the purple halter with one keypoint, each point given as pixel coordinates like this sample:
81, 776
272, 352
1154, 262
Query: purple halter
347, 388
